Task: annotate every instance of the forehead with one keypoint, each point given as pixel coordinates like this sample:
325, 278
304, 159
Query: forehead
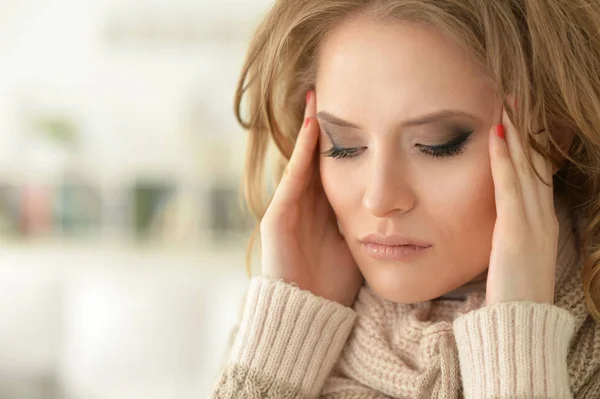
400, 67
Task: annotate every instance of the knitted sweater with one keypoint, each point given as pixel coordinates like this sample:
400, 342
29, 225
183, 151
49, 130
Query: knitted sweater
293, 344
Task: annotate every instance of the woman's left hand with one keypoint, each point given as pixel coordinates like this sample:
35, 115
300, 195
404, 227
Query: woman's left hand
525, 239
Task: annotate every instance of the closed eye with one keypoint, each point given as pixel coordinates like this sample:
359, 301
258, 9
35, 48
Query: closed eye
341, 152
448, 149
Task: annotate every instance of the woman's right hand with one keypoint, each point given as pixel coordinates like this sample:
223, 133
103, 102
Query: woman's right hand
300, 239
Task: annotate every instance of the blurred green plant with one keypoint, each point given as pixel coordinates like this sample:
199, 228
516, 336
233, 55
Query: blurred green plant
57, 128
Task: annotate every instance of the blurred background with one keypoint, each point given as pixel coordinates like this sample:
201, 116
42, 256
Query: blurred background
121, 236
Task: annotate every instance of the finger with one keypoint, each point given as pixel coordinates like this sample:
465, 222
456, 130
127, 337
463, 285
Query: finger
301, 165
544, 168
530, 184
545, 186
509, 203
515, 147
519, 153
543, 165
536, 194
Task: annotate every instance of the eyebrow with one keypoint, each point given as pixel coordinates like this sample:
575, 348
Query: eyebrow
422, 120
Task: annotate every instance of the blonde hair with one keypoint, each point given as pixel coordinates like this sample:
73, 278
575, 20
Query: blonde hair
544, 52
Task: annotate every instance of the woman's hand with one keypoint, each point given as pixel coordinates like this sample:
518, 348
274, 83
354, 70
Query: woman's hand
525, 240
300, 239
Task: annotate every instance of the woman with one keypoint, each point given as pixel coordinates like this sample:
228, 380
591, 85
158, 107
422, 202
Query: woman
435, 231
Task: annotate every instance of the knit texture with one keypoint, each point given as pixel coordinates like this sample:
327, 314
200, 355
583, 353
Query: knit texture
287, 343
293, 344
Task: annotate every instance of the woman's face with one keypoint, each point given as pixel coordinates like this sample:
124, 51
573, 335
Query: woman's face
414, 111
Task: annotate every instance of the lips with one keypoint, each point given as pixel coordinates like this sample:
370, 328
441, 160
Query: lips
394, 240
393, 247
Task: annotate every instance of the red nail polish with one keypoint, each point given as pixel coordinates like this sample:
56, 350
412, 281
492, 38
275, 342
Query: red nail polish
500, 131
306, 122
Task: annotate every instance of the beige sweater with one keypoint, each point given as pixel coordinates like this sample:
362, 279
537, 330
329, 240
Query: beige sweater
293, 344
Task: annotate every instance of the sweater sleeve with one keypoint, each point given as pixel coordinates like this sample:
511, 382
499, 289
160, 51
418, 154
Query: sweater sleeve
515, 350
287, 343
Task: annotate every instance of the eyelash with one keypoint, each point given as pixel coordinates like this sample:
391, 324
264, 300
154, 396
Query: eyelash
341, 152
451, 148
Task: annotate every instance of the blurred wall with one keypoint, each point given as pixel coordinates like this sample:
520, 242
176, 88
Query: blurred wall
121, 237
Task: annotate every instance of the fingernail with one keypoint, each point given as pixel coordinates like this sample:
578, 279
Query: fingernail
308, 93
500, 131
306, 122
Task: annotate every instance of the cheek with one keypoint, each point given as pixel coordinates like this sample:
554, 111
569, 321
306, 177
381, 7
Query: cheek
338, 185
464, 207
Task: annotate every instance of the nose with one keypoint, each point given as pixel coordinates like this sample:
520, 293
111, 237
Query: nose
388, 189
